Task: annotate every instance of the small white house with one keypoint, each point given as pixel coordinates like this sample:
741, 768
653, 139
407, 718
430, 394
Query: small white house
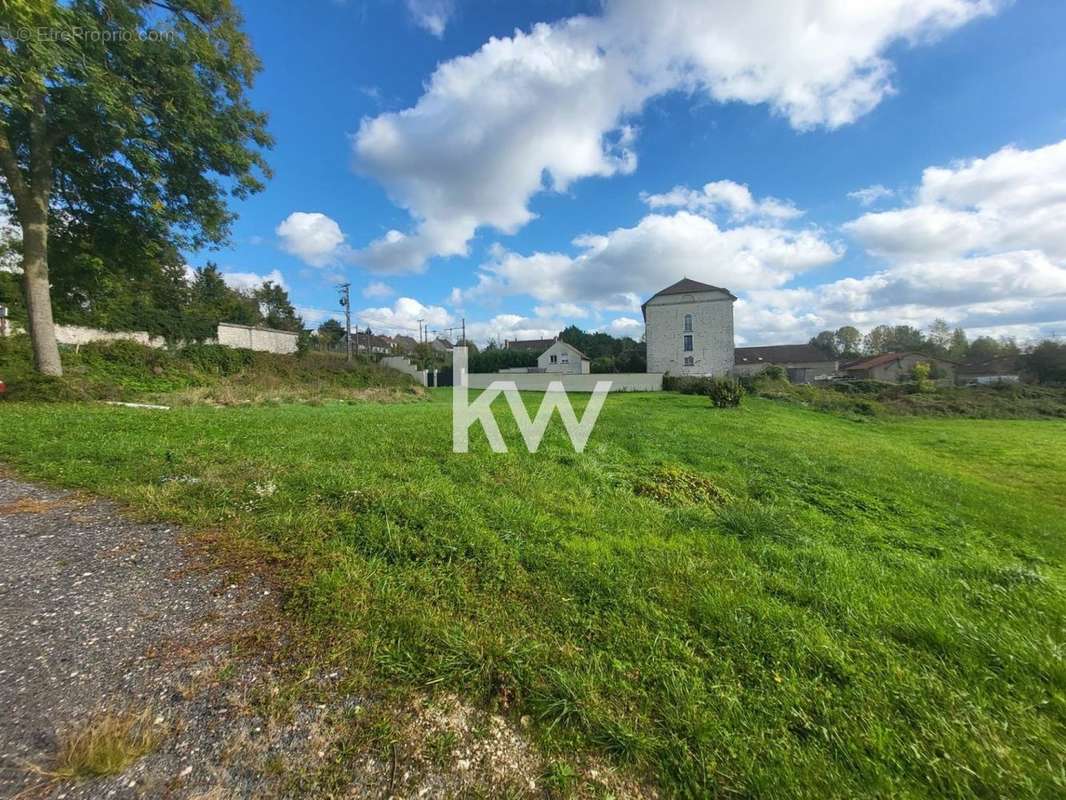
563, 357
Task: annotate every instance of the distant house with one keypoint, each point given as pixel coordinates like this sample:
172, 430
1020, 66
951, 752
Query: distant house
404, 344
529, 345
896, 367
381, 345
563, 357
803, 362
989, 371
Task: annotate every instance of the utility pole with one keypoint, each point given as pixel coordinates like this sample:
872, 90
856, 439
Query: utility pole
421, 333
346, 301
464, 332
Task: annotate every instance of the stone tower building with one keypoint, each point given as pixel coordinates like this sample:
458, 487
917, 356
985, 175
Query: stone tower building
689, 329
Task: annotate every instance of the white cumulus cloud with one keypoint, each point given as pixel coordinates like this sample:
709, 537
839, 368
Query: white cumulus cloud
513, 326
1013, 199
543, 108
312, 237
403, 317
626, 326
615, 270
248, 281
734, 199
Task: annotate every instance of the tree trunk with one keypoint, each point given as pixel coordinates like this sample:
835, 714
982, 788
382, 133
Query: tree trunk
31, 193
38, 291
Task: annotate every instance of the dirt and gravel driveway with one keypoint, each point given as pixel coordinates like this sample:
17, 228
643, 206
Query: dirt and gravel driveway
100, 615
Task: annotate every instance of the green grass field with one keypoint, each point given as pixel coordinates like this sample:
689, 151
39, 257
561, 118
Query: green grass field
767, 601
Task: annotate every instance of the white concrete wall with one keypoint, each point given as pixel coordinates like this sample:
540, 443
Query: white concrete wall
712, 333
401, 364
538, 381
264, 339
79, 334
567, 360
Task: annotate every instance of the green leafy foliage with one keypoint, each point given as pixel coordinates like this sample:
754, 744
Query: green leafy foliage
725, 392
867, 398
608, 353
125, 370
493, 359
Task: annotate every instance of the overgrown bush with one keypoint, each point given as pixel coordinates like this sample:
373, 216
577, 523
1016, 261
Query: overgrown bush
217, 358
922, 382
725, 392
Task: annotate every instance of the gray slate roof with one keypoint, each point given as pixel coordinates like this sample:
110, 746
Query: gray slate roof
684, 286
779, 354
538, 345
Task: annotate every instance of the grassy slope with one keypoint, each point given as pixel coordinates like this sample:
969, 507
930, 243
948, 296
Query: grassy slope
879, 608
196, 374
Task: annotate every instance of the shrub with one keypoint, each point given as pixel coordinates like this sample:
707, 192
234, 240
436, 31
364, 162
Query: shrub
686, 384
123, 351
775, 373
217, 358
725, 392
920, 373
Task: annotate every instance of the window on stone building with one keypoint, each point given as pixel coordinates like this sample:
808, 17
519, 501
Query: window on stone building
688, 344
553, 359
688, 322
689, 361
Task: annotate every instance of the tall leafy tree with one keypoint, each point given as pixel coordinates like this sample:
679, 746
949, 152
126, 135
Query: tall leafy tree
212, 301
959, 348
1047, 361
276, 308
893, 338
131, 110
939, 338
826, 341
330, 332
848, 340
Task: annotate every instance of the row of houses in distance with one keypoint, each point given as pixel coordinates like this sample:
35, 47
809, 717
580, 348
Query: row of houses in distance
392, 345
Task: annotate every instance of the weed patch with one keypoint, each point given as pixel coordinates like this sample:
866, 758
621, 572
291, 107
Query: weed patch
673, 485
106, 744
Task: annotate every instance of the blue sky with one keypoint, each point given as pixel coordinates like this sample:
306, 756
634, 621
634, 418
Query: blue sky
529, 165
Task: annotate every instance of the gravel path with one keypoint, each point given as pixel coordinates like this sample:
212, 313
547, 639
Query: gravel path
100, 614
